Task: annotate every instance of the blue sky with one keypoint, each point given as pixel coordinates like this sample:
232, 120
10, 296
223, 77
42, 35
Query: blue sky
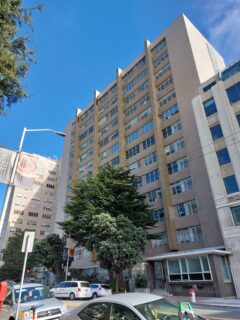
80, 43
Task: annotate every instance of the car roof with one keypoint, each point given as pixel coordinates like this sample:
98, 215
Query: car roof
133, 298
28, 285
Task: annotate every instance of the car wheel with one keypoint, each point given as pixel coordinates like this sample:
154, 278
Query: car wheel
94, 296
72, 296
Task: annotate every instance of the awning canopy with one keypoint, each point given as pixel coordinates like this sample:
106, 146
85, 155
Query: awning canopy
196, 252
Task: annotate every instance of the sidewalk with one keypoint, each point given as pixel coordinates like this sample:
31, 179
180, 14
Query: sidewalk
208, 301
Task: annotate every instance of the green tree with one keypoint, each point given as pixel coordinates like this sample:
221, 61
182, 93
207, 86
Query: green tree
118, 243
13, 259
113, 191
15, 55
49, 251
107, 214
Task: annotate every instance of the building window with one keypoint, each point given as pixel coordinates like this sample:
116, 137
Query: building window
154, 195
236, 215
174, 146
165, 84
148, 142
238, 119
231, 185
216, 132
132, 152
209, 107
170, 112
225, 269
190, 234
115, 161
148, 160
131, 137
134, 166
138, 181
158, 215
147, 127
167, 98
186, 208
152, 176
173, 128
181, 186
223, 157
178, 165
160, 241
189, 269
162, 71
160, 59
234, 93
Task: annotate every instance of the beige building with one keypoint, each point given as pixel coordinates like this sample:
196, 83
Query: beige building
34, 209
217, 114
144, 120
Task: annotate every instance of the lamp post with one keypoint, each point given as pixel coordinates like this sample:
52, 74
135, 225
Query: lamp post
13, 173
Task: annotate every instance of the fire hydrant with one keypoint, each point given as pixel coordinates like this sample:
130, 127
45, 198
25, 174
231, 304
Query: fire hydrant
192, 294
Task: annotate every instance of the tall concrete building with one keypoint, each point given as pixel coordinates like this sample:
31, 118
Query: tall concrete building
34, 209
217, 114
144, 120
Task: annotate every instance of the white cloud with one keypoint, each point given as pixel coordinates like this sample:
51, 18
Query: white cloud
222, 19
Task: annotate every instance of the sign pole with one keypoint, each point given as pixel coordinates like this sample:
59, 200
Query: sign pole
22, 279
26, 247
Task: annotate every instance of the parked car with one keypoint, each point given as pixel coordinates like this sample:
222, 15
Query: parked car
72, 290
32, 295
129, 306
100, 290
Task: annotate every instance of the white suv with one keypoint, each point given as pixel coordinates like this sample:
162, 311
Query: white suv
72, 290
100, 290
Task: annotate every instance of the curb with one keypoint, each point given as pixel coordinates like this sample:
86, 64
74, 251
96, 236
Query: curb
215, 305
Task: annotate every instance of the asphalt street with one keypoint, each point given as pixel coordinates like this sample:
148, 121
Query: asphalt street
209, 312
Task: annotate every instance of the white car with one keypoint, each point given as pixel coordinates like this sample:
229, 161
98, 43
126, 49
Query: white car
72, 290
100, 290
34, 298
130, 306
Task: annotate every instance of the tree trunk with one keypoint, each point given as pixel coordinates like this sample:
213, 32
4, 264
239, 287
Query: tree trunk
117, 282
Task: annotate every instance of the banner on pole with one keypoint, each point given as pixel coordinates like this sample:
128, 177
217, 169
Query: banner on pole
7, 157
26, 170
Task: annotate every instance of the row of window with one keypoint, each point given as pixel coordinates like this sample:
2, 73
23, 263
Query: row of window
190, 234
85, 124
86, 133
135, 135
132, 84
173, 128
105, 96
86, 167
170, 112
108, 105
165, 84
108, 139
160, 59
159, 46
150, 177
178, 165
108, 115
138, 118
85, 144
148, 160
137, 67
175, 146
140, 89
85, 155
111, 125
114, 162
143, 101
113, 149
136, 149
167, 98
162, 71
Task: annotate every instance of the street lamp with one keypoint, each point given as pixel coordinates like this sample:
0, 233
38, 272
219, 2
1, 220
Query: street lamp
13, 173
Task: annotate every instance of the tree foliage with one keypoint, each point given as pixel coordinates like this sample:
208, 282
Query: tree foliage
118, 243
15, 55
14, 258
107, 214
49, 251
112, 191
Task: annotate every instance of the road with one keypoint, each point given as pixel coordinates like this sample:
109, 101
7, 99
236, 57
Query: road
210, 312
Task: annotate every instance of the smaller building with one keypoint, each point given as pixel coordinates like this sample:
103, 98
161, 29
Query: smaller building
217, 115
34, 208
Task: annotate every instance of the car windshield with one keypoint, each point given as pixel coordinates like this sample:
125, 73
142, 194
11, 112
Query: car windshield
161, 309
32, 294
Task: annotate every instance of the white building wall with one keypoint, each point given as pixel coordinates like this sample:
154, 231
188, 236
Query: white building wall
227, 119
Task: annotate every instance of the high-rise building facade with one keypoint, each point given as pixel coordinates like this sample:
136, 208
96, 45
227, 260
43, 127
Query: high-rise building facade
34, 208
144, 121
217, 114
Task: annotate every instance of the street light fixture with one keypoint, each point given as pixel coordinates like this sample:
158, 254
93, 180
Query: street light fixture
13, 173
